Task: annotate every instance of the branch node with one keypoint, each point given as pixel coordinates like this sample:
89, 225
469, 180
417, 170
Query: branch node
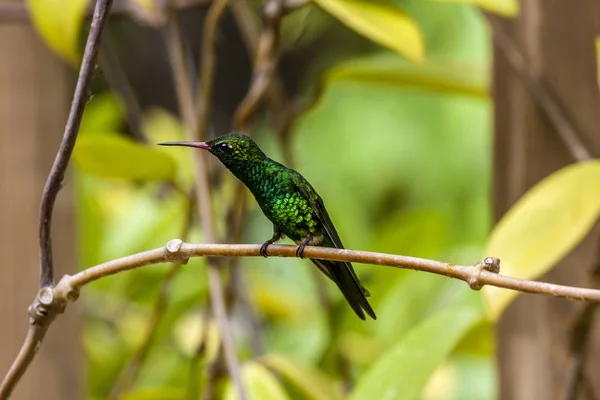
174, 252
65, 289
491, 264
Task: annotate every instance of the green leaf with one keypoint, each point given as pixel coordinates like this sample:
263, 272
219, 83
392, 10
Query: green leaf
311, 382
507, 8
103, 113
260, 384
159, 393
384, 24
404, 371
436, 76
59, 22
543, 227
113, 156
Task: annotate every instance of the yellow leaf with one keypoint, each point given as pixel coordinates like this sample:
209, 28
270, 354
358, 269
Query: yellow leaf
543, 227
147, 11
259, 383
311, 382
386, 25
58, 22
507, 8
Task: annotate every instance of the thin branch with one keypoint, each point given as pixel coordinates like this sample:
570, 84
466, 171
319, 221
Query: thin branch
31, 345
196, 124
516, 60
45, 306
207, 66
57, 173
476, 276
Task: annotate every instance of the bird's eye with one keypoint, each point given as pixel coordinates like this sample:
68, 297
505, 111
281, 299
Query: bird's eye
225, 147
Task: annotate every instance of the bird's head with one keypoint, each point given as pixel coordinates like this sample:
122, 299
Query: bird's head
232, 149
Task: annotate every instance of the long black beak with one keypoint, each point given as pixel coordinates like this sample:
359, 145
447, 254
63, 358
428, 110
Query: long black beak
198, 145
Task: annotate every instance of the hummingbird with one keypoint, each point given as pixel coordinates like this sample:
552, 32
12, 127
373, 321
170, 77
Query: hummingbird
294, 207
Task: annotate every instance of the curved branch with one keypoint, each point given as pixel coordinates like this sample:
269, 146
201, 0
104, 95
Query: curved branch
176, 250
57, 173
31, 344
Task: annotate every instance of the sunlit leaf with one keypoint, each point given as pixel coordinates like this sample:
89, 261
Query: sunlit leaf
403, 372
507, 8
161, 126
259, 383
190, 330
103, 113
309, 381
148, 12
58, 22
113, 156
384, 24
543, 227
389, 70
159, 393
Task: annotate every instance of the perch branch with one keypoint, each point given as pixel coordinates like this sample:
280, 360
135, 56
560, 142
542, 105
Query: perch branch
45, 307
177, 251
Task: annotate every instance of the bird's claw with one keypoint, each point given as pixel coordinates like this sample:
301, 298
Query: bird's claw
300, 251
263, 249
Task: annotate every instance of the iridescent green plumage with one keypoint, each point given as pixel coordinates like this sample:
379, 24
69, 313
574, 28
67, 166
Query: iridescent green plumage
292, 205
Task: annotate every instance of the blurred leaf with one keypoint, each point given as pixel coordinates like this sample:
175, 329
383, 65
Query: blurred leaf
159, 393
437, 76
543, 227
310, 381
113, 156
405, 305
259, 382
384, 24
190, 330
103, 113
59, 22
359, 348
403, 372
161, 126
507, 8
148, 12
479, 341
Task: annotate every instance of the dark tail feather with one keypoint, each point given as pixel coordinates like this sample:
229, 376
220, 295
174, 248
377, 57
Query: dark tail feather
343, 275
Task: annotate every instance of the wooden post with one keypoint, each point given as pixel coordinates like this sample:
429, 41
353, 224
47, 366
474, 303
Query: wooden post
35, 94
557, 40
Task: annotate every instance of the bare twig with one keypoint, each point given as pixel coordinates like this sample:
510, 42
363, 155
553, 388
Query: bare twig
45, 307
207, 66
57, 173
563, 126
30, 346
196, 124
177, 251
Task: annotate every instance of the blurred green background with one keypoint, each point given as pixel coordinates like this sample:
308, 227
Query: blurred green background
400, 153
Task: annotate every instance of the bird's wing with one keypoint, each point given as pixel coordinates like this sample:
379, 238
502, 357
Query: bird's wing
316, 203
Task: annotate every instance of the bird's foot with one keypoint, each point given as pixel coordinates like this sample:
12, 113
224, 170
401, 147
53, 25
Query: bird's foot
263, 248
300, 250
302, 245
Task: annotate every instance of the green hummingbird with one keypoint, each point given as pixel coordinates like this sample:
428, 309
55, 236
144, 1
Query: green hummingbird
291, 204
